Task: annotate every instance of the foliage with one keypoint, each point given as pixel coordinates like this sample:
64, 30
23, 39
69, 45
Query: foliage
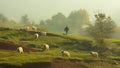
58, 20
116, 34
74, 21
25, 19
78, 47
102, 29
42, 24
78, 18
3, 19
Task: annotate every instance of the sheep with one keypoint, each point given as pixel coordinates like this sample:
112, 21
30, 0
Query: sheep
20, 50
94, 54
65, 53
34, 28
36, 35
45, 47
43, 33
27, 28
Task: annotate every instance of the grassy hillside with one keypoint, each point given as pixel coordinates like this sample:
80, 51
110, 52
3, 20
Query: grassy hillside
79, 47
27, 38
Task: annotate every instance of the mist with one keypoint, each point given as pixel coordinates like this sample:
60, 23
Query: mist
39, 10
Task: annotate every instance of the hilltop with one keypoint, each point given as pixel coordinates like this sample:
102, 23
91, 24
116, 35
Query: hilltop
78, 46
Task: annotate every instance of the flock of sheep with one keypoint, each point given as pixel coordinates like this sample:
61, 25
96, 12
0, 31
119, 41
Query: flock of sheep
28, 28
46, 46
63, 53
41, 33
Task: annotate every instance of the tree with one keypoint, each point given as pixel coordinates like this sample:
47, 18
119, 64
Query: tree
75, 20
12, 21
42, 23
66, 29
78, 18
57, 22
3, 19
25, 19
103, 28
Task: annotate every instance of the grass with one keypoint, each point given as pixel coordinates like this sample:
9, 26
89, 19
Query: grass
57, 42
19, 59
14, 58
113, 40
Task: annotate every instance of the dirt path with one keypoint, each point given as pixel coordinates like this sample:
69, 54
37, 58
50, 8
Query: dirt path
7, 45
62, 63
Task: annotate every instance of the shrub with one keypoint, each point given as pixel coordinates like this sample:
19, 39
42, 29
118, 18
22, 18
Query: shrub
103, 50
87, 44
116, 50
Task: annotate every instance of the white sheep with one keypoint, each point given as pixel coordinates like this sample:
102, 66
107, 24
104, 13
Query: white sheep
65, 53
27, 28
43, 33
34, 28
94, 54
20, 50
36, 35
45, 47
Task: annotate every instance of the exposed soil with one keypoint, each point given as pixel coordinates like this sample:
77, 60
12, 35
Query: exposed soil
7, 45
56, 63
59, 63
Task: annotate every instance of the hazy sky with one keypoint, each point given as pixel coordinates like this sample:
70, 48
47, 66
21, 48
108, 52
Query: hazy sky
44, 9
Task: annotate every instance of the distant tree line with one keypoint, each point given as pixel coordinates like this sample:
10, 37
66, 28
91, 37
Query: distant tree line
74, 21
3, 19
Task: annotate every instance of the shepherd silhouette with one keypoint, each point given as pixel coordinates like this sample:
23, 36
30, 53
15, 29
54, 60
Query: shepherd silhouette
66, 29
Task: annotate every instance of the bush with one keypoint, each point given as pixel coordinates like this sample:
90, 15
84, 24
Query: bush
87, 44
106, 54
103, 51
116, 51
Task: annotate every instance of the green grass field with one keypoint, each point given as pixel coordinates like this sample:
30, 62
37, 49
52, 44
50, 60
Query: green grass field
57, 42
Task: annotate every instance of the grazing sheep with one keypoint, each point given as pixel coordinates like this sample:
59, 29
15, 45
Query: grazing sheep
45, 47
36, 35
43, 33
34, 28
94, 54
27, 28
65, 53
20, 50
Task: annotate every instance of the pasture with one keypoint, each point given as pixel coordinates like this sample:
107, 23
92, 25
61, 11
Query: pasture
79, 48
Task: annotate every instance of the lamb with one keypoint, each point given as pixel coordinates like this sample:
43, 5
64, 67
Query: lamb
34, 28
27, 28
20, 50
45, 47
94, 54
36, 35
43, 33
65, 53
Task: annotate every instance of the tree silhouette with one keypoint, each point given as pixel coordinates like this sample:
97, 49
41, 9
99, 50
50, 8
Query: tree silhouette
3, 19
25, 19
103, 28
